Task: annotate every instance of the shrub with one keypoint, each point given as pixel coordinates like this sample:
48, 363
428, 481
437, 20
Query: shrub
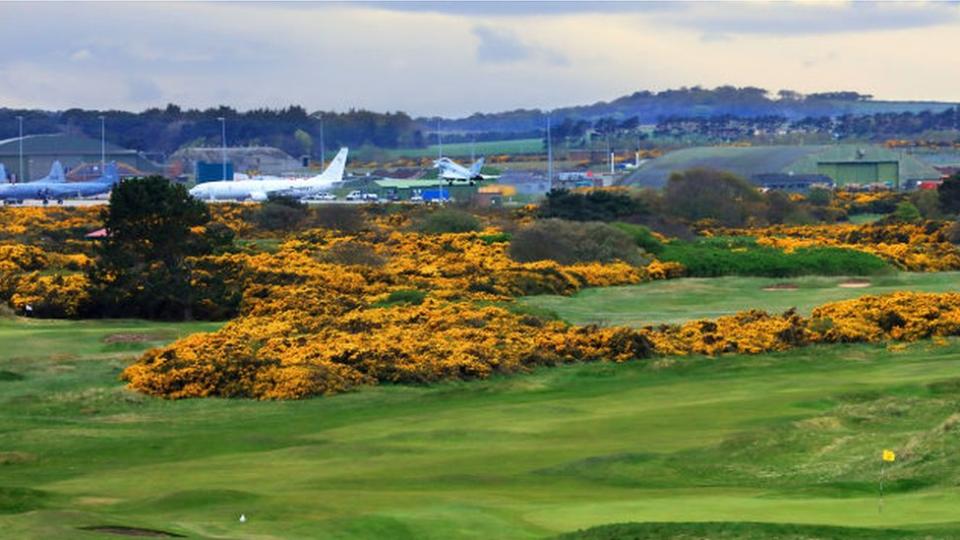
412, 297
338, 217
906, 212
353, 254
953, 233
280, 214
594, 205
495, 238
744, 258
449, 220
949, 194
570, 243
699, 194
641, 236
820, 197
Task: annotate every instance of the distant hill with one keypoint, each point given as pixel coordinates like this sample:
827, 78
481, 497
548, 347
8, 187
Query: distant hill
651, 107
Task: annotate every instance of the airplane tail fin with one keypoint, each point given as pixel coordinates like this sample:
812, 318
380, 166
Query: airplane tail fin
476, 167
111, 175
3, 175
57, 175
334, 171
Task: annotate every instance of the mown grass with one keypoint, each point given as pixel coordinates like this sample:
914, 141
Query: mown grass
697, 298
778, 438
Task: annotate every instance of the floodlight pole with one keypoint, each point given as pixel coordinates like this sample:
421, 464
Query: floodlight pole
549, 154
20, 141
323, 156
223, 135
439, 169
103, 144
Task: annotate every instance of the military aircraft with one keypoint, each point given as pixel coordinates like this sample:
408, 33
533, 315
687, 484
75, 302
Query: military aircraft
36, 189
451, 171
90, 188
261, 190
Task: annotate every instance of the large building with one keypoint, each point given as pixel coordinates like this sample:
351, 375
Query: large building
245, 159
72, 151
843, 164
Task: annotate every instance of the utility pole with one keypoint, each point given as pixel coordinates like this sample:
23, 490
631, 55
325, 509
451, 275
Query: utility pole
323, 156
439, 170
223, 134
549, 155
20, 141
103, 144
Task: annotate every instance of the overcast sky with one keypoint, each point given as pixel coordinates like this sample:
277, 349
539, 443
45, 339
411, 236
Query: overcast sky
453, 59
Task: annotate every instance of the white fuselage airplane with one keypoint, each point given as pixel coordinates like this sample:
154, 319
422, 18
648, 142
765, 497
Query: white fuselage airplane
261, 190
451, 171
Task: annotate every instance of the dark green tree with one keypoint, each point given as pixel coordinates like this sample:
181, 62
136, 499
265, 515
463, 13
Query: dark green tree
142, 267
949, 194
697, 194
594, 205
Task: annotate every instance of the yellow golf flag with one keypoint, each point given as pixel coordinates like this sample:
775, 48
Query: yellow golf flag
889, 455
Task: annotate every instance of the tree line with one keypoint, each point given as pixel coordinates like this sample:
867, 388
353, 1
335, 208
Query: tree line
162, 131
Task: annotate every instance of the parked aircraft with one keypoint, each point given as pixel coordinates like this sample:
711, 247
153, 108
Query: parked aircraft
56, 176
451, 171
36, 189
261, 190
91, 188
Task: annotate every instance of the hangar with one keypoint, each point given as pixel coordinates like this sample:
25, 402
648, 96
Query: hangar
40, 151
843, 164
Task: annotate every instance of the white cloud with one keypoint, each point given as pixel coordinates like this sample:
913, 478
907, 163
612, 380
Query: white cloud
455, 59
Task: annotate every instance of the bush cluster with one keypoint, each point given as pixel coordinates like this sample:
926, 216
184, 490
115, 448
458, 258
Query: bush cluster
569, 242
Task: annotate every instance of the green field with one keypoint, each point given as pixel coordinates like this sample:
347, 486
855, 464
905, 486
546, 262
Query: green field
480, 148
679, 300
779, 438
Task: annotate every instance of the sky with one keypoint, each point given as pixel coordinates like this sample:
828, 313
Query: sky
456, 58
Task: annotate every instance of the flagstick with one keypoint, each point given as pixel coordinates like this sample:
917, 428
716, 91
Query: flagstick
880, 508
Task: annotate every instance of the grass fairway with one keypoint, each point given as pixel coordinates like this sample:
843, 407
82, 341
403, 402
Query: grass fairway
780, 438
680, 300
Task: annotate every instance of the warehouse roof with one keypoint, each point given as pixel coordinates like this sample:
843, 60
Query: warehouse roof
58, 144
753, 160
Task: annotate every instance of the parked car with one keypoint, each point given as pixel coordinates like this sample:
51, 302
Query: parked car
323, 196
354, 195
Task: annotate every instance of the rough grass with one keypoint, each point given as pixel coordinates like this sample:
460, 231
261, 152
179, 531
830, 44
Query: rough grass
694, 298
788, 438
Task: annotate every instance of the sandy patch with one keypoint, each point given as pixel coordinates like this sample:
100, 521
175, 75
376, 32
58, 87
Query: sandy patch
781, 287
132, 338
854, 284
